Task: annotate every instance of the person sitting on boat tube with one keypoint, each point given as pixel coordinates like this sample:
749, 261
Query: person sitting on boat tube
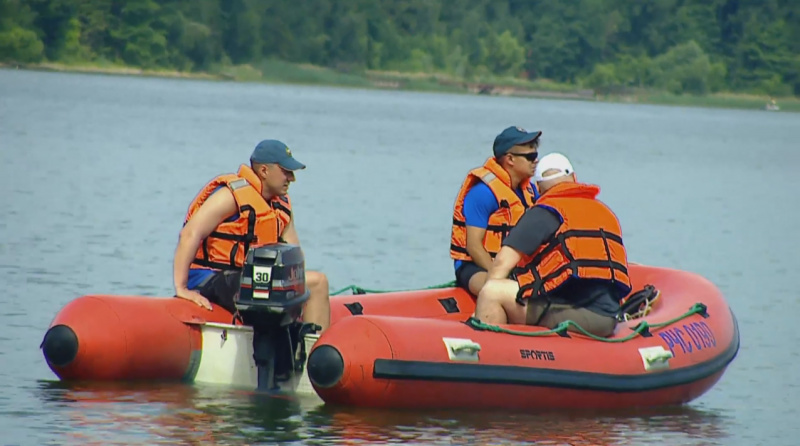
492, 199
567, 256
214, 239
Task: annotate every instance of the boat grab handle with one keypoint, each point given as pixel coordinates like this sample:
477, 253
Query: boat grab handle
466, 348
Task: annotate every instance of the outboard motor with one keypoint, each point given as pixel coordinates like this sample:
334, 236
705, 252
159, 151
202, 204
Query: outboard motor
271, 297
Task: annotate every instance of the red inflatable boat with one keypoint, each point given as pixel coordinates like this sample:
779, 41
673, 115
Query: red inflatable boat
128, 338
419, 349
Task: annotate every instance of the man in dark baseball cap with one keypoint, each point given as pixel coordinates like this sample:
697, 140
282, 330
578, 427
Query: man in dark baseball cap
231, 213
513, 136
272, 151
492, 199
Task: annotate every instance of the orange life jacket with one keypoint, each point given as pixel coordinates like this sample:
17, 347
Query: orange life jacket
587, 245
259, 221
501, 221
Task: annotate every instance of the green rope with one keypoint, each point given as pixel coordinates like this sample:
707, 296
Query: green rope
358, 290
561, 329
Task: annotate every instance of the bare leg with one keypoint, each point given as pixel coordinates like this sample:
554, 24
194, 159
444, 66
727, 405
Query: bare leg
497, 303
318, 306
476, 282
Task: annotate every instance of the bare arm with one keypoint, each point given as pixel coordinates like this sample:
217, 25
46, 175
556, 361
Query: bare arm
214, 211
535, 227
290, 233
505, 261
475, 247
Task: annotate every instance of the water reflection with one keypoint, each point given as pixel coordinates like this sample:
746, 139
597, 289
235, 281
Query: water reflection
168, 413
116, 413
679, 425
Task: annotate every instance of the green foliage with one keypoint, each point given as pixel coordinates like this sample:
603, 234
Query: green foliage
19, 41
680, 46
603, 76
504, 54
20, 45
683, 68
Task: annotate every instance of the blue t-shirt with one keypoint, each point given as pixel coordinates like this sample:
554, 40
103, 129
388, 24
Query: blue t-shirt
198, 275
480, 203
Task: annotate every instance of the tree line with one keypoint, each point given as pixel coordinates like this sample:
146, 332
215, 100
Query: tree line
682, 46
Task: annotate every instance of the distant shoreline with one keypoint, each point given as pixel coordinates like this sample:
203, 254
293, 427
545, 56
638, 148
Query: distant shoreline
114, 70
285, 73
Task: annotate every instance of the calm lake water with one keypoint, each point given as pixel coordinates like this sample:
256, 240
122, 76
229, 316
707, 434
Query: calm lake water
97, 172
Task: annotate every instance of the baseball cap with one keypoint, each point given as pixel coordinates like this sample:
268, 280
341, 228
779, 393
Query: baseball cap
511, 137
272, 151
552, 161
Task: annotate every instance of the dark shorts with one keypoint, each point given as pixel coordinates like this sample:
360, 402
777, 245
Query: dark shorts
592, 322
465, 272
221, 289
592, 305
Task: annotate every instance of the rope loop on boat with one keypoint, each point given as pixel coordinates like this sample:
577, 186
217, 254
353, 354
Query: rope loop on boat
355, 289
642, 329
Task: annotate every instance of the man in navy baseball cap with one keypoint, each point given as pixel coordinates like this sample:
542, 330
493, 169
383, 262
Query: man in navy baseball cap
231, 213
513, 136
272, 151
492, 199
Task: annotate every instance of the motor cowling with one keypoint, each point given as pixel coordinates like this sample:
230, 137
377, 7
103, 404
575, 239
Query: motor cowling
271, 295
273, 281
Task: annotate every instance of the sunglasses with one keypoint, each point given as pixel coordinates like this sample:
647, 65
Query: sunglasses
532, 156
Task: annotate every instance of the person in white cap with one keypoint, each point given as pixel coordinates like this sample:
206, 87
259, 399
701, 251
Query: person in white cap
567, 257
